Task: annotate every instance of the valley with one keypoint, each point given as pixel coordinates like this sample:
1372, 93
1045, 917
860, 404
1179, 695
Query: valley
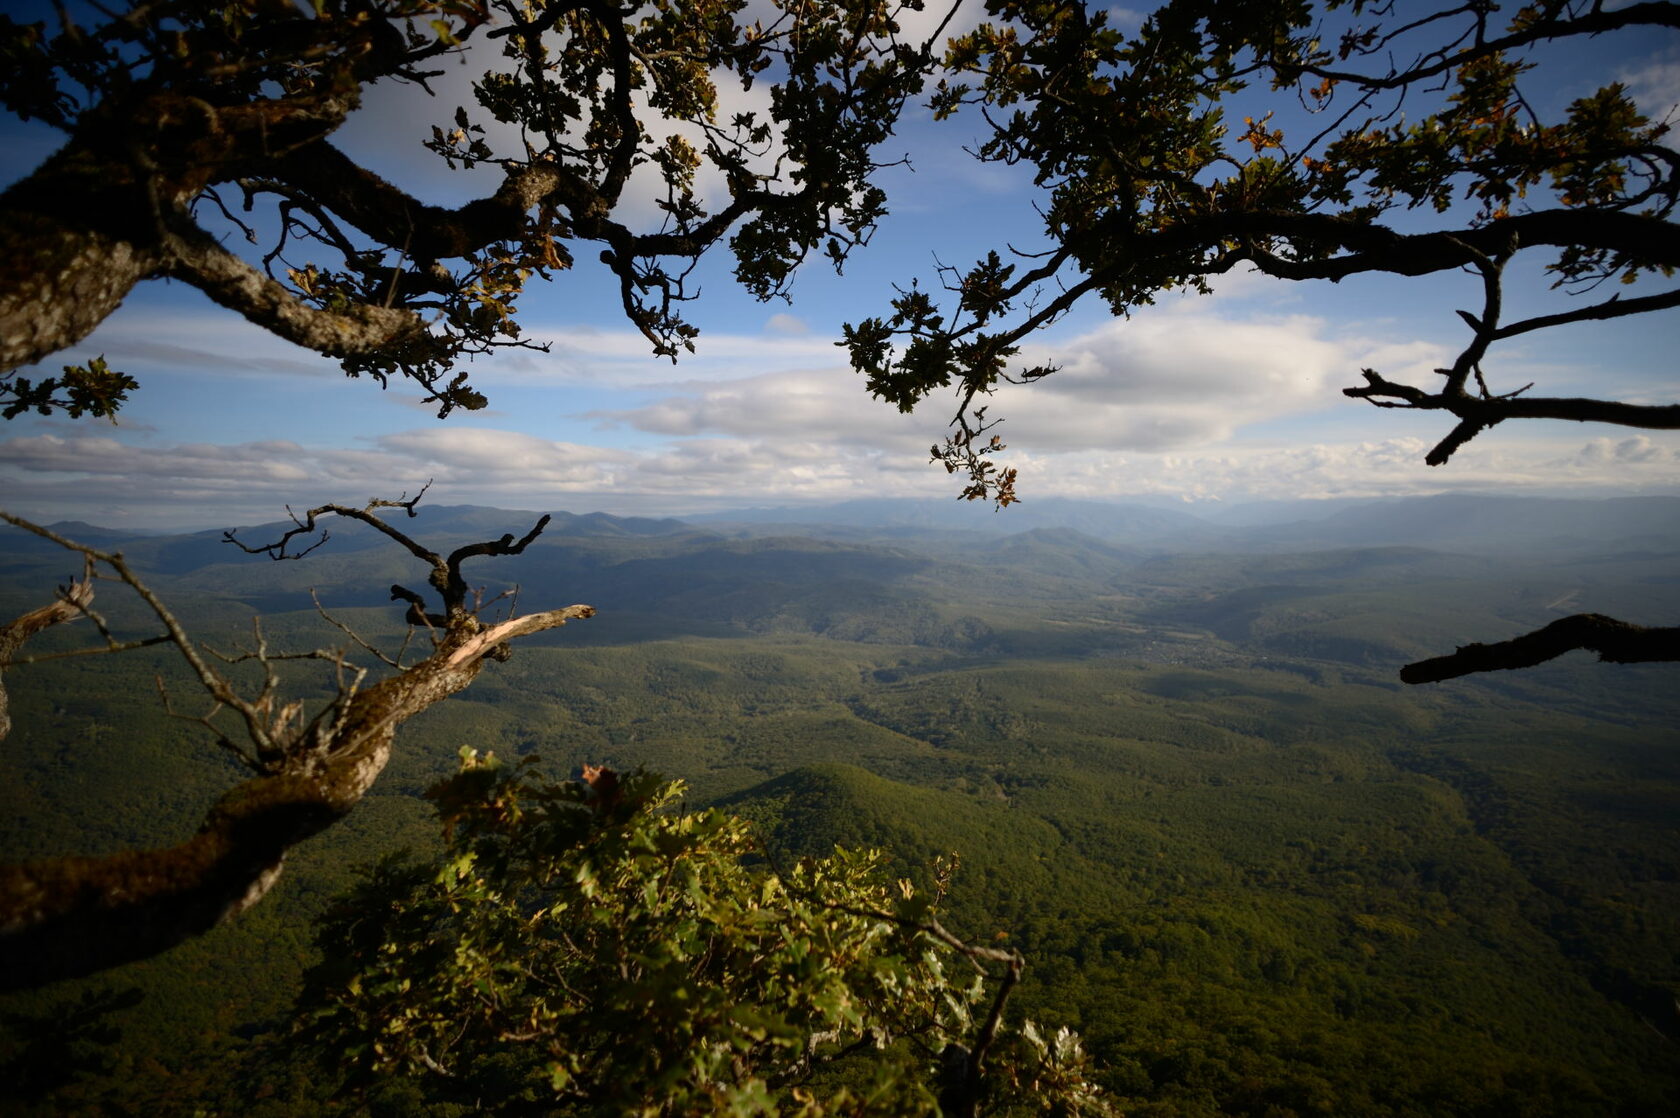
1257, 873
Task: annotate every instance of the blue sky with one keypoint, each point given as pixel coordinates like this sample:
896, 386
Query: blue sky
1199, 399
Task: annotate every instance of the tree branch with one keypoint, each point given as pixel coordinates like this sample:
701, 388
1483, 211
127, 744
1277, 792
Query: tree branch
1616, 642
1370, 247
69, 603
280, 549
65, 917
392, 216
196, 258
1481, 412
1614, 307
1652, 13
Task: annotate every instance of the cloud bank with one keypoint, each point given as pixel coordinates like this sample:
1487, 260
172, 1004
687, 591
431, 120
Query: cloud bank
1189, 402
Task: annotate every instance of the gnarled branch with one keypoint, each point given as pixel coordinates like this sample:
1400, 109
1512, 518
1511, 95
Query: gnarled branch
1616, 642
197, 258
1476, 413
65, 917
69, 603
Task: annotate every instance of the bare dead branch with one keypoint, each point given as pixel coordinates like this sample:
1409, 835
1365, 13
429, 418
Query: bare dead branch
417, 617
455, 589
71, 653
70, 602
282, 548
207, 720
1478, 413
357, 637
213, 682
1614, 307
445, 574
1616, 642
485, 643
65, 917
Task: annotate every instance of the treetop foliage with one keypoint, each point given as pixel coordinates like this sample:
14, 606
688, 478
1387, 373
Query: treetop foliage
592, 947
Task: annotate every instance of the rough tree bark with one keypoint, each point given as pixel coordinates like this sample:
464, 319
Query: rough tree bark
82, 230
64, 917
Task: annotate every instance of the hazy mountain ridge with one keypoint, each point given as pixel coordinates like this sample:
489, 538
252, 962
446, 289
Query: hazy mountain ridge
1478, 524
1324, 588
1493, 524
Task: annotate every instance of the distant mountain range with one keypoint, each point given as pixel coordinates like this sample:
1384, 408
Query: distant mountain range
1525, 527
1475, 524
1372, 582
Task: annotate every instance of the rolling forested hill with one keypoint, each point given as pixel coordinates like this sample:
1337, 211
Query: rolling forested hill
1259, 875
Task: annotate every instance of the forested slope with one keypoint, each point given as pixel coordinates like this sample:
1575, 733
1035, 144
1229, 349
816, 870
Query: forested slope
1257, 874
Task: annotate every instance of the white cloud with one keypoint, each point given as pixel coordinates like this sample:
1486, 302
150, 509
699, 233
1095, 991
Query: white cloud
790, 324
503, 460
623, 357
199, 485
388, 132
1184, 402
1154, 383
1654, 85
819, 405
52, 477
1635, 450
257, 463
1387, 467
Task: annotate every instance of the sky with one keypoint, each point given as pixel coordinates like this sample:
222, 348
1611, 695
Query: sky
1198, 400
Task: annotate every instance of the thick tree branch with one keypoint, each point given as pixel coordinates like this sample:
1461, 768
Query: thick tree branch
622, 159
1369, 247
197, 258
81, 230
58, 281
1615, 641
71, 916
392, 216
1122, 263
485, 643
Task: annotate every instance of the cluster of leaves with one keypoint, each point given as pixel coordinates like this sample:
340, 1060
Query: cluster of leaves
584, 947
1152, 190
93, 389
